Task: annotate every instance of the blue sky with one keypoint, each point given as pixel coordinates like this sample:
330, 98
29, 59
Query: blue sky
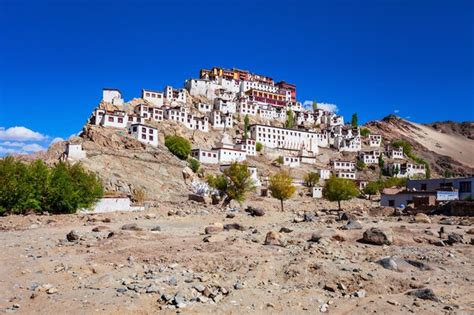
411, 57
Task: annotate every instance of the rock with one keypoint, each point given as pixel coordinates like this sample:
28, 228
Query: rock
454, 238
156, 229
338, 238
173, 281
393, 302
315, 237
131, 227
446, 221
234, 226
422, 218
298, 219
199, 198
52, 290
388, 263
255, 212
213, 238
324, 308
352, 225
329, 287
106, 220
72, 236
285, 230
152, 289
238, 285
470, 231
360, 293
230, 215
381, 211
273, 238
346, 216
424, 294
100, 228
309, 217
213, 229
199, 287
122, 290
378, 236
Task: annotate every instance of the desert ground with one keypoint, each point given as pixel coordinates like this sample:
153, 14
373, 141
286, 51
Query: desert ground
162, 260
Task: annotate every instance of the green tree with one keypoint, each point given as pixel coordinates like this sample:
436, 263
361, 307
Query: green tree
194, 164
259, 147
281, 187
338, 189
179, 146
279, 160
405, 145
311, 179
87, 185
354, 121
246, 126
235, 184
315, 105
360, 165
364, 132
372, 188
290, 119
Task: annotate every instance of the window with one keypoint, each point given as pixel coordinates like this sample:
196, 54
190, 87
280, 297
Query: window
134, 129
150, 138
144, 137
111, 119
143, 130
120, 120
465, 187
391, 203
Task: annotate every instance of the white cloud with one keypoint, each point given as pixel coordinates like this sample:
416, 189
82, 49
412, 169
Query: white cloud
396, 111
308, 104
4, 150
57, 139
34, 147
20, 134
12, 144
328, 107
407, 117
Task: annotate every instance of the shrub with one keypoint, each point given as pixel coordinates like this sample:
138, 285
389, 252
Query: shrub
364, 132
246, 126
218, 182
259, 146
354, 120
281, 186
311, 179
360, 165
372, 188
338, 189
179, 146
194, 165
279, 160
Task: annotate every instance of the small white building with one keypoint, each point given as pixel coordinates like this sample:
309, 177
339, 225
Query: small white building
352, 144
407, 169
227, 152
375, 140
343, 166
220, 120
370, 157
154, 97
245, 107
317, 192
324, 174
225, 106
247, 145
394, 153
74, 151
346, 174
173, 95
115, 119
291, 161
204, 108
205, 156
113, 96
144, 133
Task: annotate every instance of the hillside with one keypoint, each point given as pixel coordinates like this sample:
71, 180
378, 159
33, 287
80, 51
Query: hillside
446, 146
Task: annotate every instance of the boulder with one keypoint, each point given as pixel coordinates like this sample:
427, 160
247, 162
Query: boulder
199, 198
454, 238
273, 238
352, 225
234, 226
388, 263
346, 216
309, 217
378, 236
424, 294
100, 228
72, 236
255, 212
131, 227
213, 229
422, 218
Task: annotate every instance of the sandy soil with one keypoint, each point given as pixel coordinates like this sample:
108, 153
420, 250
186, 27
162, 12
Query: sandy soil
42, 272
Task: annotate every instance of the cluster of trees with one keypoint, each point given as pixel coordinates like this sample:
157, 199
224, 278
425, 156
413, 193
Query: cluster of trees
63, 188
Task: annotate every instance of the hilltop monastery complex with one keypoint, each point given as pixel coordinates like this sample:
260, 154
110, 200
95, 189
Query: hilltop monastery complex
221, 97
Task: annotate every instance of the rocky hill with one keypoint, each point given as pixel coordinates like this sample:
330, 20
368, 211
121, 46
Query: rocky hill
445, 145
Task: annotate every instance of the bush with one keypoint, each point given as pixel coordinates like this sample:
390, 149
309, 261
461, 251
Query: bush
259, 147
279, 160
60, 189
179, 146
360, 165
372, 188
194, 165
364, 132
311, 179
